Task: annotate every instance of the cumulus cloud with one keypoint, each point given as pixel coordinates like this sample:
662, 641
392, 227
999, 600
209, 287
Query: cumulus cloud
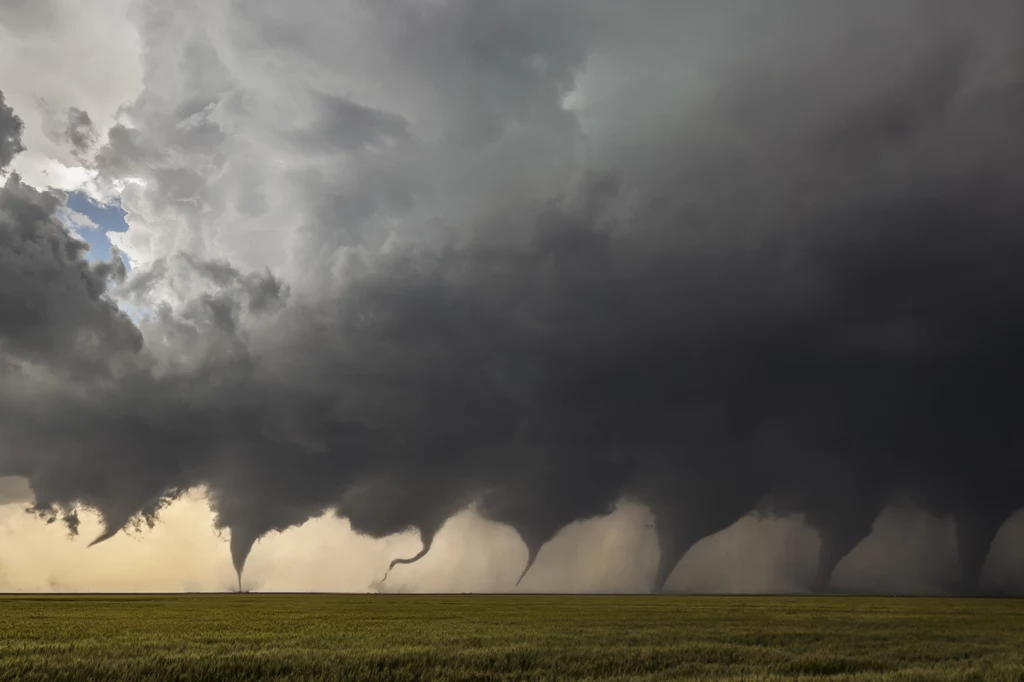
57, 55
540, 260
73, 128
10, 135
53, 304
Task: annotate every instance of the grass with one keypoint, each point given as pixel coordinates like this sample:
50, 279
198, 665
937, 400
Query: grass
319, 637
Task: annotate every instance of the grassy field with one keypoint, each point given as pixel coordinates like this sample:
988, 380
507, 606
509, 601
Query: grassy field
318, 637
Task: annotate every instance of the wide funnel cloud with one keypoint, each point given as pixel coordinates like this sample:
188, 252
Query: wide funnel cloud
394, 261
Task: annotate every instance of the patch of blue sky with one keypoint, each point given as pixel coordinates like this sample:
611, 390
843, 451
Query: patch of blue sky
92, 220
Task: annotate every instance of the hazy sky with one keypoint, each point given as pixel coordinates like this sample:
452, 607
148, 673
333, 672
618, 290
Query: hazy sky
714, 296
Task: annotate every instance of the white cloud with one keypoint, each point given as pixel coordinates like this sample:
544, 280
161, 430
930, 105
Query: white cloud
56, 54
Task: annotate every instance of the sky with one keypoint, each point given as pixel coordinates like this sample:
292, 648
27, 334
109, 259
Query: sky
93, 220
486, 295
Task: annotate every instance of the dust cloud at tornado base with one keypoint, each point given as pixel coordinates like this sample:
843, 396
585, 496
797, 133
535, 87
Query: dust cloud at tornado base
780, 281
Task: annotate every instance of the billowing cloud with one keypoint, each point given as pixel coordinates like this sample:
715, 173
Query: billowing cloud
60, 55
53, 304
10, 134
540, 260
73, 128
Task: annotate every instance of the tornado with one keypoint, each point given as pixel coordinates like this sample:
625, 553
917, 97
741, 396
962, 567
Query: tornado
427, 540
104, 536
670, 550
380, 506
838, 536
535, 535
532, 550
842, 516
242, 540
678, 530
975, 531
113, 522
537, 520
690, 504
534, 532
978, 503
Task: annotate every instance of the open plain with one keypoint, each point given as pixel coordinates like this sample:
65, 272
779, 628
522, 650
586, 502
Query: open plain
508, 637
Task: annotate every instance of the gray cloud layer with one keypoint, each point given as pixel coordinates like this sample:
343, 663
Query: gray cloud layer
778, 276
10, 135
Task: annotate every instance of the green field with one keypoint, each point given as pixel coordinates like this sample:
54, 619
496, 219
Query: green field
318, 637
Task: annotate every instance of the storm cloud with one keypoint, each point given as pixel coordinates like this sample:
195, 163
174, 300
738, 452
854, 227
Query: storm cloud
10, 134
537, 259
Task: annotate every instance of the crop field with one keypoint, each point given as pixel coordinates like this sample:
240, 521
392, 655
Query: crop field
336, 637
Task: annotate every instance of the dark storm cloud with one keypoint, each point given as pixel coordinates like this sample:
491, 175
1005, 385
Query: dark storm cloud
810, 305
53, 306
10, 134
